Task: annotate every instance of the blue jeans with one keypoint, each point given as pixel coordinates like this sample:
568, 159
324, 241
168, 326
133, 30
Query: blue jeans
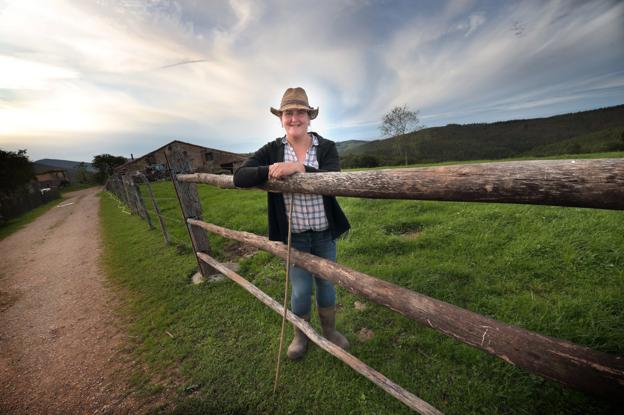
322, 245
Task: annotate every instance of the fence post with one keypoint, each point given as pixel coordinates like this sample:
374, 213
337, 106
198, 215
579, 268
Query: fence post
117, 188
150, 193
121, 194
126, 197
190, 205
140, 203
121, 191
130, 199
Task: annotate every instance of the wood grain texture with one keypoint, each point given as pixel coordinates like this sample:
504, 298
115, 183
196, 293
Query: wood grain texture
371, 374
140, 202
189, 203
595, 183
576, 366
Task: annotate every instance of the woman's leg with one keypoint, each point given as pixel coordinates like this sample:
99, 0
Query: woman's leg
325, 247
300, 298
301, 279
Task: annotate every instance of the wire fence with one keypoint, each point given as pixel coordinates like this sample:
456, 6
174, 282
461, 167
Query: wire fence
136, 195
596, 184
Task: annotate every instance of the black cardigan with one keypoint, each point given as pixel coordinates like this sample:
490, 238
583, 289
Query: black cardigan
255, 171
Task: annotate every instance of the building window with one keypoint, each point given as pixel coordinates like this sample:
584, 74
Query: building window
209, 156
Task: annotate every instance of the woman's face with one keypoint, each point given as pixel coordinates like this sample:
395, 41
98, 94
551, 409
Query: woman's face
295, 122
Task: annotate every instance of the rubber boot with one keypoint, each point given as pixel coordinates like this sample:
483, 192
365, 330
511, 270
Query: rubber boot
328, 325
299, 344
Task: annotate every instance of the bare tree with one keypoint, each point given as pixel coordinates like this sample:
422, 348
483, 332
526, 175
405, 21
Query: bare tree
399, 121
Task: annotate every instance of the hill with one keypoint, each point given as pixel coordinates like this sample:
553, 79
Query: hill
76, 170
582, 132
347, 146
65, 164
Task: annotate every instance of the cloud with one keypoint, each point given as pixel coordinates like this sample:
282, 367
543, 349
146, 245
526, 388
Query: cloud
441, 69
208, 71
27, 74
470, 24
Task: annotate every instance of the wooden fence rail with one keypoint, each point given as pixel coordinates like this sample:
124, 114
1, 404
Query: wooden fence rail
575, 366
380, 380
582, 183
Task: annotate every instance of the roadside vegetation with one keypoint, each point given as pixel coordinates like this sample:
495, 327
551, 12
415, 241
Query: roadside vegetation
557, 271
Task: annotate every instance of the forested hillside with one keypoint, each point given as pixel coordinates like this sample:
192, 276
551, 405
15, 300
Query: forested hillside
582, 132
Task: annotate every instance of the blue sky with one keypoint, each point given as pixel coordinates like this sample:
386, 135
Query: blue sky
80, 78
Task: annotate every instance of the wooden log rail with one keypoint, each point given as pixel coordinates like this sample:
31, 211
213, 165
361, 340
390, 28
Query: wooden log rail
575, 366
371, 374
582, 183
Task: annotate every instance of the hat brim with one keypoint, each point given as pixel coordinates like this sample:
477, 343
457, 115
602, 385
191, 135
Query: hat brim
313, 112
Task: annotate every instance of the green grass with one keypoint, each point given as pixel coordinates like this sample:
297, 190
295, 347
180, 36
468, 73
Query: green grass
557, 271
17, 223
588, 156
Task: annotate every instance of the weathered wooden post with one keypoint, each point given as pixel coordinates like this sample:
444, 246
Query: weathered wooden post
130, 194
163, 225
119, 191
114, 189
140, 203
113, 185
126, 195
189, 203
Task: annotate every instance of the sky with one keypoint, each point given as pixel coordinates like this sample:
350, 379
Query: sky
86, 77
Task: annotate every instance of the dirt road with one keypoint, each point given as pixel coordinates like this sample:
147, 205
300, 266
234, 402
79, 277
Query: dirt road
60, 344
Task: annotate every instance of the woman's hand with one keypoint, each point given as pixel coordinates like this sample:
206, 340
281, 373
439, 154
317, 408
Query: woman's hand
280, 170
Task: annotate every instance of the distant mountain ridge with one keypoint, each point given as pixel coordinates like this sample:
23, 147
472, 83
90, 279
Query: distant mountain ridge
581, 132
71, 167
65, 164
349, 145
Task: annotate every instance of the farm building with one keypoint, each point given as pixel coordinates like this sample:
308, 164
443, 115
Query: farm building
51, 177
202, 159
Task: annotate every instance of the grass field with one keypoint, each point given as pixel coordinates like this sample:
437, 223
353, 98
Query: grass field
557, 271
602, 155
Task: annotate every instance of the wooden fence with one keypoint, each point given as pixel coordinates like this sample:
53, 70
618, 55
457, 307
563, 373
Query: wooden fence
580, 183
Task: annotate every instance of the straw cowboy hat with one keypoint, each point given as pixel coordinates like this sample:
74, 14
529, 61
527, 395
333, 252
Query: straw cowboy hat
295, 98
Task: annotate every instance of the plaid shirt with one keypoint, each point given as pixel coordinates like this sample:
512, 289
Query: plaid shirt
308, 210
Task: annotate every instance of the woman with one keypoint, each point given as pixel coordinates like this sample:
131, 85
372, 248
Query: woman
316, 220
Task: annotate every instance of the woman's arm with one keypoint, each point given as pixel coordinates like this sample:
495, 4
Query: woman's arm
255, 170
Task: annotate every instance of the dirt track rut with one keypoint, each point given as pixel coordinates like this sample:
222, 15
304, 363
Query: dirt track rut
61, 348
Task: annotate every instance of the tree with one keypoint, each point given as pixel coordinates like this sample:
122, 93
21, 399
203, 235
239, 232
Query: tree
15, 169
105, 163
399, 121
82, 175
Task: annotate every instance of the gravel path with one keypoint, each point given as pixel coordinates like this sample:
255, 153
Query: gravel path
61, 346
